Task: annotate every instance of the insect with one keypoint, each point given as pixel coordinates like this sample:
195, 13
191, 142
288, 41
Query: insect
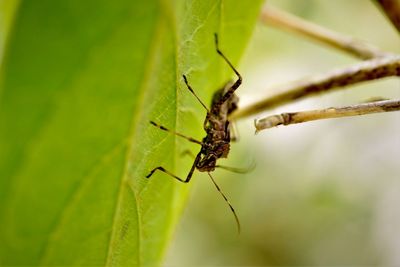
216, 144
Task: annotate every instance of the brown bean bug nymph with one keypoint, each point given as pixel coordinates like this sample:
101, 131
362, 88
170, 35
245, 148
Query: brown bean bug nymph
216, 144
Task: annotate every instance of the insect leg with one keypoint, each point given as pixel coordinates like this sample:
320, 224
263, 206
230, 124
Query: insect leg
238, 82
192, 91
190, 139
188, 177
237, 170
227, 201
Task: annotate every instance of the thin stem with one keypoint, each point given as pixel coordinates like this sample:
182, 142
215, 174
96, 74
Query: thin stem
312, 115
287, 21
365, 71
391, 8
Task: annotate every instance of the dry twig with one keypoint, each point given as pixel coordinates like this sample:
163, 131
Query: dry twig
281, 19
365, 71
329, 113
379, 65
392, 11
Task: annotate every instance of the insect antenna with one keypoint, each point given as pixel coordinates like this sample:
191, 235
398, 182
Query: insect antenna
227, 201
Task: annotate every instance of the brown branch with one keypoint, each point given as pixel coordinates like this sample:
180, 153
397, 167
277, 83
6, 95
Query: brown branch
312, 115
365, 71
289, 22
391, 8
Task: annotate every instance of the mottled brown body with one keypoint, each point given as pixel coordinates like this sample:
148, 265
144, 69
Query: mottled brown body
216, 144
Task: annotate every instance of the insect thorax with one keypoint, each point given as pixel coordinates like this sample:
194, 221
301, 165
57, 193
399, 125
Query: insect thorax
210, 155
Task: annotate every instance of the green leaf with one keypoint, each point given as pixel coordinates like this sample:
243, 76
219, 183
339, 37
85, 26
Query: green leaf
79, 83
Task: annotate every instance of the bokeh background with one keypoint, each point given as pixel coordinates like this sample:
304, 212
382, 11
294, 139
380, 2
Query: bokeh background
323, 193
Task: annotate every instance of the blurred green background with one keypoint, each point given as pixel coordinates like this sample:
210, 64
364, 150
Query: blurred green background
323, 193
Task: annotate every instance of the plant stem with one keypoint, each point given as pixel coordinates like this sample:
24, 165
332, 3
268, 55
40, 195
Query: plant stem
365, 71
287, 21
312, 115
391, 8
